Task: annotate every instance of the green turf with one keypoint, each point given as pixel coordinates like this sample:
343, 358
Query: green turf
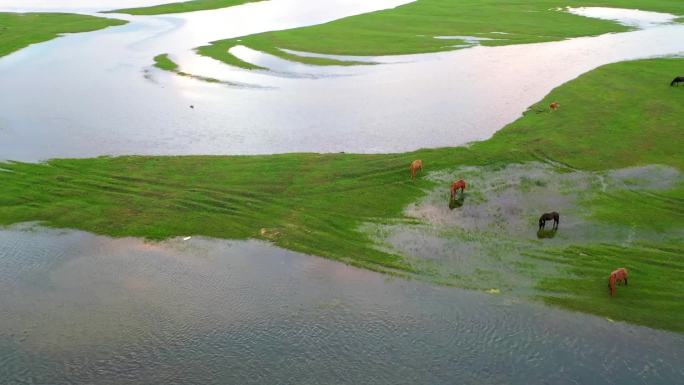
617, 116
186, 6
411, 28
19, 30
653, 296
164, 62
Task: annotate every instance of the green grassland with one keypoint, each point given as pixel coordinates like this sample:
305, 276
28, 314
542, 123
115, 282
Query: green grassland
186, 6
19, 30
616, 116
165, 63
411, 28
653, 296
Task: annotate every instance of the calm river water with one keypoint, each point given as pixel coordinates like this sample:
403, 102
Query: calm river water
88, 95
83, 309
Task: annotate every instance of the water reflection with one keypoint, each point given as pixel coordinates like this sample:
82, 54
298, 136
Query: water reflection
546, 233
83, 309
78, 6
457, 201
96, 100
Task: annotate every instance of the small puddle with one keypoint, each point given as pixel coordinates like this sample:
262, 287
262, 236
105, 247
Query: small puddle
629, 17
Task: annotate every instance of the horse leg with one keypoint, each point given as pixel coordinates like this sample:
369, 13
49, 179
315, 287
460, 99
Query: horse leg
625, 281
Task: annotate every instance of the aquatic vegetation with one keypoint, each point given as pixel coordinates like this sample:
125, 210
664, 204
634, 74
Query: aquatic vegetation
493, 239
186, 6
19, 30
322, 204
412, 28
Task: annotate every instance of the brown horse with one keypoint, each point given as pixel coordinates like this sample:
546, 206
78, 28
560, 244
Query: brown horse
457, 185
616, 277
676, 81
416, 165
554, 106
547, 217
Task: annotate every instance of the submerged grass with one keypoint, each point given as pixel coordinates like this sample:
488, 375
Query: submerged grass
186, 6
412, 28
316, 203
165, 63
19, 30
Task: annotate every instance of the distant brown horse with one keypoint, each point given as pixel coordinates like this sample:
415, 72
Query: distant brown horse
677, 80
554, 106
416, 165
619, 275
547, 217
457, 185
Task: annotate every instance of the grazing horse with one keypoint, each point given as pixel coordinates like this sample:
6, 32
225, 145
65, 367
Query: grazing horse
416, 165
619, 275
677, 80
547, 217
554, 106
457, 185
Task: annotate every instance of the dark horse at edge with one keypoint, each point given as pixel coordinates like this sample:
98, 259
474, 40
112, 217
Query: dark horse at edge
677, 80
547, 217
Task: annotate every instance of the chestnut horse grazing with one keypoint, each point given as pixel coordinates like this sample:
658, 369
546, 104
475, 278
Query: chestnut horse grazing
619, 275
457, 185
554, 106
416, 165
547, 217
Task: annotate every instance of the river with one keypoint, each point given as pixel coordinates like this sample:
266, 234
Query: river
94, 94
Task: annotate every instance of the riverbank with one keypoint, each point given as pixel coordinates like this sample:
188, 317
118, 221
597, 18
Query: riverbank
432, 26
19, 30
317, 203
186, 6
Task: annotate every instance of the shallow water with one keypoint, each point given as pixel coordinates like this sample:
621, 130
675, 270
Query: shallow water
88, 94
487, 238
84, 309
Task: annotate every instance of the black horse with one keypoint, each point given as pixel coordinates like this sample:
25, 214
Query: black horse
547, 217
677, 80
